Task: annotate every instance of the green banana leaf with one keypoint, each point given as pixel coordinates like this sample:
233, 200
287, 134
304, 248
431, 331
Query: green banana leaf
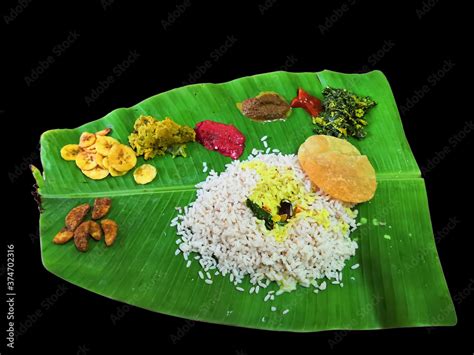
399, 283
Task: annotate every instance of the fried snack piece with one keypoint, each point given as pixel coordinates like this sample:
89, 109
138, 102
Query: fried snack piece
101, 207
103, 132
94, 230
110, 229
70, 151
337, 167
86, 139
96, 173
86, 160
75, 216
144, 174
81, 236
104, 144
318, 144
345, 177
122, 157
63, 236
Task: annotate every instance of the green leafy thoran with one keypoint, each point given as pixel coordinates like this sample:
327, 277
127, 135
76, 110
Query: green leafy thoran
343, 114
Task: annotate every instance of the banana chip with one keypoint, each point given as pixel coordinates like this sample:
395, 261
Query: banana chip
96, 173
99, 158
85, 161
87, 139
116, 173
70, 151
338, 168
104, 144
98, 155
144, 174
91, 149
122, 158
105, 163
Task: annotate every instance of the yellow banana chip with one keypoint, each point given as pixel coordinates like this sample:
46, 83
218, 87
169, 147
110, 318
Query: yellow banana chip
144, 174
116, 173
70, 151
104, 144
85, 161
122, 157
99, 158
91, 149
98, 155
96, 173
87, 139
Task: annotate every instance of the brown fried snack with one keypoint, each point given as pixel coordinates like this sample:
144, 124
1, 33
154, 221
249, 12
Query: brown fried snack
110, 229
75, 216
63, 236
94, 230
81, 236
101, 207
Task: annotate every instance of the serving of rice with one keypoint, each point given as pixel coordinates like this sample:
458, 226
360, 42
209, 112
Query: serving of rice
231, 241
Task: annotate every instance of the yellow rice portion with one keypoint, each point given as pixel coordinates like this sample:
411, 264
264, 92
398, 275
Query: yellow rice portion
275, 186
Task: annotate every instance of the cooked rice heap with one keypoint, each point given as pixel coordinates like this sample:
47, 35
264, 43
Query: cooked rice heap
219, 226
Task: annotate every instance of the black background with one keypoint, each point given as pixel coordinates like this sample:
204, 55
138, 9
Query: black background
87, 42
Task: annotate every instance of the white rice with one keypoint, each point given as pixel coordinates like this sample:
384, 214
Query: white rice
223, 231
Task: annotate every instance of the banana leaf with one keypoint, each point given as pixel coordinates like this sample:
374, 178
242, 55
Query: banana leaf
399, 283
